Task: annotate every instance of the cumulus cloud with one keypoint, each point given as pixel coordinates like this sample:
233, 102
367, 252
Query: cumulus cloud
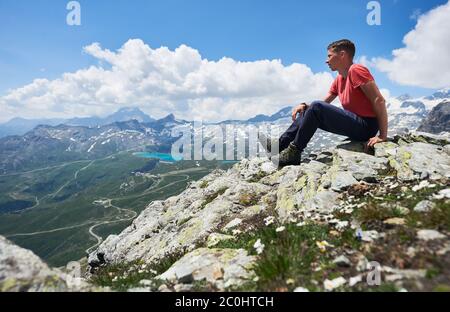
423, 61
161, 81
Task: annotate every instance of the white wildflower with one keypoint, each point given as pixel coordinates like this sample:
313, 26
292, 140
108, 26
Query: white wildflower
259, 246
236, 232
269, 220
301, 289
280, 229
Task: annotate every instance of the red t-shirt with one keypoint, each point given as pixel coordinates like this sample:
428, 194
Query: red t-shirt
348, 89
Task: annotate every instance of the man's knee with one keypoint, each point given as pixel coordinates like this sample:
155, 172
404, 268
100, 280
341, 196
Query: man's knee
318, 104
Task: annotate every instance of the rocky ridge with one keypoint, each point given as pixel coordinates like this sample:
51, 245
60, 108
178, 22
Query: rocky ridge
342, 191
325, 225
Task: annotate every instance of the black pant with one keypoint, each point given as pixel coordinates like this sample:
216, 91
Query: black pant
329, 118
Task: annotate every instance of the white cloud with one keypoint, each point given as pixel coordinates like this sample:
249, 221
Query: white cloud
161, 81
424, 61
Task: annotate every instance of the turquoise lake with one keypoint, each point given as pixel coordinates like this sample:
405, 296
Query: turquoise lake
169, 158
160, 156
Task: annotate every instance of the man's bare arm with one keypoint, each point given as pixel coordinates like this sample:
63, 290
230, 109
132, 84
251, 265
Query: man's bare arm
372, 92
330, 98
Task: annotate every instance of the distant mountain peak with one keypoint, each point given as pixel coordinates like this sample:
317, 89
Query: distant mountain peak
130, 109
284, 112
170, 117
128, 113
404, 97
441, 94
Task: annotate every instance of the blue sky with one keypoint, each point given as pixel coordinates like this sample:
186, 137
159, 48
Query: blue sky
37, 43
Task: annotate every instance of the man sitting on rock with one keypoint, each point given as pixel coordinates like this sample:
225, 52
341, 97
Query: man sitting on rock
364, 112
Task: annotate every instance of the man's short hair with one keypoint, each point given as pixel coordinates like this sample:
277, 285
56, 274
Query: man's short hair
343, 45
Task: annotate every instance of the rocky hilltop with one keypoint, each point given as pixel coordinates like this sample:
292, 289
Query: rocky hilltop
342, 220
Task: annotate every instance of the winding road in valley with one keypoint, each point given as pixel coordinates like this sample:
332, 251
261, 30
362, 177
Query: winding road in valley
123, 215
43, 169
133, 214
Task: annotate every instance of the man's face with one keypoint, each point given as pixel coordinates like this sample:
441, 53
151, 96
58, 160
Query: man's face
333, 60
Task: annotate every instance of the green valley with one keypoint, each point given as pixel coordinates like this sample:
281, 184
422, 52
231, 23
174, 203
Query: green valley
63, 211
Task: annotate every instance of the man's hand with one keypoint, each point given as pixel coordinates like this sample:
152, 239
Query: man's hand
373, 141
298, 109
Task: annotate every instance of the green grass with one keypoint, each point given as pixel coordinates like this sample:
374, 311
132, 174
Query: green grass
211, 197
123, 276
291, 254
432, 272
377, 210
383, 287
437, 218
257, 177
248, 199
442, 288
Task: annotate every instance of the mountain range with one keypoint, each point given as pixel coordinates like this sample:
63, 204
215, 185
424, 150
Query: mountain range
404, 111
20, 126
131, 129
46, 145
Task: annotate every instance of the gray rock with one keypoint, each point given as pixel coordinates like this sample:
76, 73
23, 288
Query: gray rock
249, 169
325, 157
369, 236
342, 180
428, 158
413, 159
424, 206
385, 149
22, 271
447, 149
420, 136
443, 194
222, 268
393, 274
183, 287
342, 261
427, 235
395, 221
232, 224
139, 290
362, 166
305, 191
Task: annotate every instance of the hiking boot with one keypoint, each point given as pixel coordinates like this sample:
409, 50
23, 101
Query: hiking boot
267, 143
289, 157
